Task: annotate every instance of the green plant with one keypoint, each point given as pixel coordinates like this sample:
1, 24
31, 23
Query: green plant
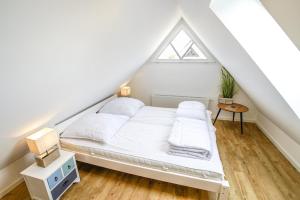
227, 84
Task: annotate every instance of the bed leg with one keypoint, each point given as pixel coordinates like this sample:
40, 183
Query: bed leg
223, 195
213, 195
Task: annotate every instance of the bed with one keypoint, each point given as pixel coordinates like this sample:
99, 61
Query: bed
149, 128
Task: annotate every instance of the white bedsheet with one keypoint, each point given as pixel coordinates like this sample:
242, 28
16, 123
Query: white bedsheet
143, 141
155, 115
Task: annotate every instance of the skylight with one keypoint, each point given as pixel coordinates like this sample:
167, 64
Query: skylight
266, 43
181, 46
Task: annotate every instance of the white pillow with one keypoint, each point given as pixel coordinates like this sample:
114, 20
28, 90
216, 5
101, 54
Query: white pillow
122, 106
192, 105
191, 113
98, 127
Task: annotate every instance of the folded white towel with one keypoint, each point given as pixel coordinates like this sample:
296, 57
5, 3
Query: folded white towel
186, 149
191, 137
191, 113
205, 155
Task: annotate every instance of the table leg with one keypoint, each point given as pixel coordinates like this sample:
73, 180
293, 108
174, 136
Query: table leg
217, 115
233, 114
241, 115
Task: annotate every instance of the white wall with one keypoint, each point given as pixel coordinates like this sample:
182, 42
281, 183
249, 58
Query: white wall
288, 147
190, 79
287, 15
10, 175
229, 53
250, 78
59, 56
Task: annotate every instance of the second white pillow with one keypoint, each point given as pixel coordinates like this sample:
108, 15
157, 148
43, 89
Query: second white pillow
191, 113
122, 106
192, 105
98, 127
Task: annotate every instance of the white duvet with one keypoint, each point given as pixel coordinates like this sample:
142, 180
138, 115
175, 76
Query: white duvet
143, 140
155, 115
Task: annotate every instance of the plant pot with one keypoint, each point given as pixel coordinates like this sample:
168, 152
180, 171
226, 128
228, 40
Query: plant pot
225, 100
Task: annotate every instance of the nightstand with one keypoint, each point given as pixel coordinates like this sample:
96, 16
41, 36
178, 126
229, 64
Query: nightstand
234, 108
51, 182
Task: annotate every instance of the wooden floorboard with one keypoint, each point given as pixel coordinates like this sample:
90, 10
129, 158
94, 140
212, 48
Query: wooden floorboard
253, 166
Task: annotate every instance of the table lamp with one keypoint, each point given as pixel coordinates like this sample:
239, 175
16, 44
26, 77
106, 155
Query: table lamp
44, 145
125, 91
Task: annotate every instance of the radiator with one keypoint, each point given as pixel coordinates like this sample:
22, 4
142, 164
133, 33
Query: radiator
172, 101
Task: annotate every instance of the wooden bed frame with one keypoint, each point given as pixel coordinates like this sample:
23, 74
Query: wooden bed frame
217, 189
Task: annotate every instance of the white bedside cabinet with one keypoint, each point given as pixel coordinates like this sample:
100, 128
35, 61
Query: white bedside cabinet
51, 182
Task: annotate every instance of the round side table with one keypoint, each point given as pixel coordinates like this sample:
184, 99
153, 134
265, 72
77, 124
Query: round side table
234, 108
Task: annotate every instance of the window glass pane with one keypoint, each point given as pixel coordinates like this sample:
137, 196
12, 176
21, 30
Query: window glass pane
182, 42
194, 53
168, 53
191, 54
182, 47
199, 52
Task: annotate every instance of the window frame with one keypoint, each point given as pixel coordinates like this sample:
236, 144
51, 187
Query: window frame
182, 25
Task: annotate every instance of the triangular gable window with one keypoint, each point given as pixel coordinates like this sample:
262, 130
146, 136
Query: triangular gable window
182, 45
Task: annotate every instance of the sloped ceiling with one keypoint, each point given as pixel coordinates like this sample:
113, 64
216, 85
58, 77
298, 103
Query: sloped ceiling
59, 56
287, 15
229, 53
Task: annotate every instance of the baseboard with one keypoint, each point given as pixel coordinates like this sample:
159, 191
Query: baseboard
10, 175
290, 158
11, 186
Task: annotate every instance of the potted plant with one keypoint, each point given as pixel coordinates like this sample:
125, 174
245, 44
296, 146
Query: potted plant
228, 87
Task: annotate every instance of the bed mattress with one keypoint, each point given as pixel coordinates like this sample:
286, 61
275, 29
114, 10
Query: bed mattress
143, 141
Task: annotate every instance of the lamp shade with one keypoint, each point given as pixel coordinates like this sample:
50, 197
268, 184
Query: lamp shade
125, 91
42, 140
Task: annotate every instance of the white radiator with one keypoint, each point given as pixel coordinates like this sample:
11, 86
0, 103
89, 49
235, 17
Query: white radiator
172, 101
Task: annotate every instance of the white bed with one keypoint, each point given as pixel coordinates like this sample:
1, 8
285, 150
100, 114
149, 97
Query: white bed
140, 148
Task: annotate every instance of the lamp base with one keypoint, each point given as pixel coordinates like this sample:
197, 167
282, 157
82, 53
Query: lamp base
48, 159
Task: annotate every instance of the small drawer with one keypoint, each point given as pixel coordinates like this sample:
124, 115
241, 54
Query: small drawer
68, 166
63, 185
54, 178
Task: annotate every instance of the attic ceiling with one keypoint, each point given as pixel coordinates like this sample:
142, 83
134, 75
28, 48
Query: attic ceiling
57, 57
228, 51
285, 12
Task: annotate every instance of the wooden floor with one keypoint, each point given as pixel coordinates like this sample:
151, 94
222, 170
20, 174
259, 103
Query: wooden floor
254, 168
